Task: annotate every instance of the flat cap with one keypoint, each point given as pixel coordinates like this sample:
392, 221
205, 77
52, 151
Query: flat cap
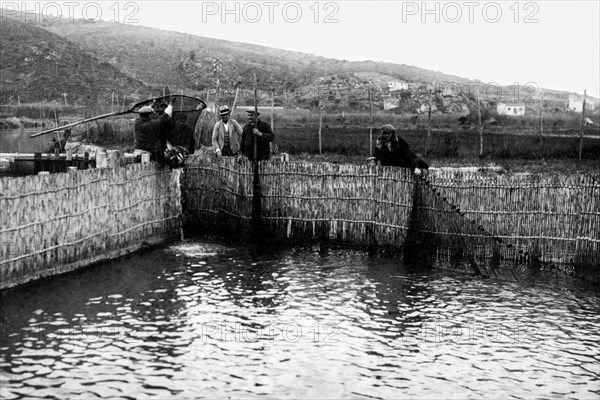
388, 128
146, 110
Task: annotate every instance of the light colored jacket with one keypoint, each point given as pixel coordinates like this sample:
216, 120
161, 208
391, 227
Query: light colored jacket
235, 136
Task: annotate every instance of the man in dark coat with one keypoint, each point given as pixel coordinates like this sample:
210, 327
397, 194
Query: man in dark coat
150, 132
255, 128
393, 150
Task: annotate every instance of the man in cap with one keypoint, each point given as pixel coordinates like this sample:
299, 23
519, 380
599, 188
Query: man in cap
260, 131
150, 133
393, 150
227, 134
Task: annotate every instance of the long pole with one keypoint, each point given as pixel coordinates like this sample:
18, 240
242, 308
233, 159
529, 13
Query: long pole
256, 211
80, 122
320, 117
542, 117
428, 122
272, 108
582, 123
237, 90
480, 127
255, 119
372, 123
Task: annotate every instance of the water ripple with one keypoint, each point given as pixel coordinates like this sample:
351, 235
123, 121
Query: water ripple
215, 320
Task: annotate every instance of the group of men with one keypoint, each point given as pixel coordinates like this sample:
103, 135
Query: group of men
156, 127
230, 139
253, 140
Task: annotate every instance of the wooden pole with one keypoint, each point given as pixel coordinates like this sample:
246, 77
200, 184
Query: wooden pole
320, 116
542, 118
372, 123
272, 108
428, 122
237, 89
255, 152
582, 123
480, 127
256, 206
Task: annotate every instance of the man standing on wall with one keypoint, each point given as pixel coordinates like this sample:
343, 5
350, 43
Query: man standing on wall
227, 134
255, 128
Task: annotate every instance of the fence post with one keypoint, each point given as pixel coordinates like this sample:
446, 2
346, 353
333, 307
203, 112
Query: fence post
582, 123
272, 108
428, 123
372, 123
480, 127
320, 116
542, 118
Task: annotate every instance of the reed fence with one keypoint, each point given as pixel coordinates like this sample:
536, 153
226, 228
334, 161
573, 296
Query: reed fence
59, 222
479, 221
353, 204
523, 219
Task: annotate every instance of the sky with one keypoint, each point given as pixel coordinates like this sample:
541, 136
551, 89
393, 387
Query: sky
551, 44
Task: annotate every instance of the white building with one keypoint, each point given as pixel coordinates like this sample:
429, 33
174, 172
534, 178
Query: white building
515, 110
576, 104
397, 85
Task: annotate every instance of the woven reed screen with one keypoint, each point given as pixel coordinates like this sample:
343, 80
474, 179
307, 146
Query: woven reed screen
518, 218
58, 222
452, 215
364, 205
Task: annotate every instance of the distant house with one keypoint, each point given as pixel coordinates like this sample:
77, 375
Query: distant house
397, 85
515, 110
576, 104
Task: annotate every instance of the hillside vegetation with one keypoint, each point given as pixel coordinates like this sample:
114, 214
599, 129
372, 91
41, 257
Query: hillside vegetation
37, 65
126, 58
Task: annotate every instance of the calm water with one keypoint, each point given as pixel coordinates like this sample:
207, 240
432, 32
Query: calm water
18, 141
219, 321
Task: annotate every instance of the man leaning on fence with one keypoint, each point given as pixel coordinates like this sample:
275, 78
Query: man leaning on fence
261, 130
227, 134
393, 150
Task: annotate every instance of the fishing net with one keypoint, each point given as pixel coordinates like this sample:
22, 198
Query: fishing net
186, 109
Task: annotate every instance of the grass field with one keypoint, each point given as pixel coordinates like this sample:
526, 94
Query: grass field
511, 143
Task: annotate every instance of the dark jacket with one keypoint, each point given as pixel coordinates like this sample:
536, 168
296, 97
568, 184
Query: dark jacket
150, 134
263, 148
182, 135
398, 153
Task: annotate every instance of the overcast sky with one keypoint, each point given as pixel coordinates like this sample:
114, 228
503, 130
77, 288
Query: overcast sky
554, 44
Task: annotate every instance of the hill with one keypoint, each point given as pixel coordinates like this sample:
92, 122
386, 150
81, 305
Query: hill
210, 67
40, 66
175, 59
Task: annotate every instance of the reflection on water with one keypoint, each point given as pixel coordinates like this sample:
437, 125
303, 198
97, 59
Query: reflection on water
215, 320
19, 141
